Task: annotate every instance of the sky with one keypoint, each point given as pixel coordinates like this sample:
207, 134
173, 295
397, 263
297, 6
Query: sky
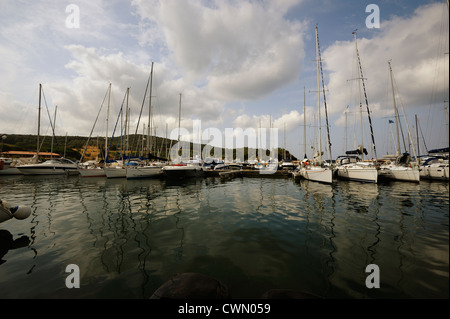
238, 65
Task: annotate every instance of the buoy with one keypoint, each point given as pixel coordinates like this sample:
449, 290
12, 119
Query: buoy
7, 212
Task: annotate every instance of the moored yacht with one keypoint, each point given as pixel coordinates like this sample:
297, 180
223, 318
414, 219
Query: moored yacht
351, 167
54, 166
188, 169
153, 170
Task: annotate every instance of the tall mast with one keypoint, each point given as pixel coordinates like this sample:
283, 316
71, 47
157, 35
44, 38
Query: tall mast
39, 123
304, 121
127, 128
397, 118
179, 119
318, 97
365, 96
324, 98
107, 121
53, 135
149, 126
359, 95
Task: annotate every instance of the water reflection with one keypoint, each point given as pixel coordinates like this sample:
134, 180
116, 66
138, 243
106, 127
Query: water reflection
7, 243
128, 237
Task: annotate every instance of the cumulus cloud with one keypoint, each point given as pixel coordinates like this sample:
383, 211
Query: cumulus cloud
233, 49
411, 44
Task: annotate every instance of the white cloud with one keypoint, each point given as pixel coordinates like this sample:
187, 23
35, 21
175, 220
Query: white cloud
411, 44
235, 49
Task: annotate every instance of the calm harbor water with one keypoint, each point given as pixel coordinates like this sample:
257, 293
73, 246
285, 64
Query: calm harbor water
253, 234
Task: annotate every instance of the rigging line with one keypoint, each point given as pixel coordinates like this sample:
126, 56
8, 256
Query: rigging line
115, 127
324, 98
411, 141
49, 116
136, 140
367, 102
95, 122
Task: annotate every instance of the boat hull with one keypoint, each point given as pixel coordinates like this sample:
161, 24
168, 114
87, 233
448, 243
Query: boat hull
115, 172
92, 172
47, 170
440, 173
322, 175
180, 172
406, 174
358, 173
144, 172
10, 171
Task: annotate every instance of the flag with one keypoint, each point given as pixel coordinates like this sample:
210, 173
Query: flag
391, 121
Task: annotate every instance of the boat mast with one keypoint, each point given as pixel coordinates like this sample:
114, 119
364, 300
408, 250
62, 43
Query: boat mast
318, 97
149, 126
127, 127
53, 135
39, 124
395, 109
107, 121
304, 121
179, 119
365, 96
324, 98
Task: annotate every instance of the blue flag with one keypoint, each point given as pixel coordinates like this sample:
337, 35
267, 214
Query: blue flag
391, 121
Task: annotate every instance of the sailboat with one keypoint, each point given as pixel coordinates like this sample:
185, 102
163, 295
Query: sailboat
317, 170
400, 166
94, 169
184, 168
150, 170
53, 166
351, 165
118, 169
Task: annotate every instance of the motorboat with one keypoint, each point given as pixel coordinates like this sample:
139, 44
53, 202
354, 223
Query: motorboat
54, 166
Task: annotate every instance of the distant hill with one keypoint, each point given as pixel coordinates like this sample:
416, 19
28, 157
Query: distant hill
73, 146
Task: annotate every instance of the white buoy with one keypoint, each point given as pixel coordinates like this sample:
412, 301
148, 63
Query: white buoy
7, 212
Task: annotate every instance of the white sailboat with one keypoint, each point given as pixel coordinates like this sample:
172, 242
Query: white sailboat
150, 170
352, 166
118, 169
184, 168
93, 168
317, 170
53, 166
399, 167
435, 168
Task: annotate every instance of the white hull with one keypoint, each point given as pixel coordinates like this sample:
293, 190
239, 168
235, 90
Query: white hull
358, 173
180, 172
92, 172
115, 172
435, 172
400, 173
144, 172
317, 174
50, 167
